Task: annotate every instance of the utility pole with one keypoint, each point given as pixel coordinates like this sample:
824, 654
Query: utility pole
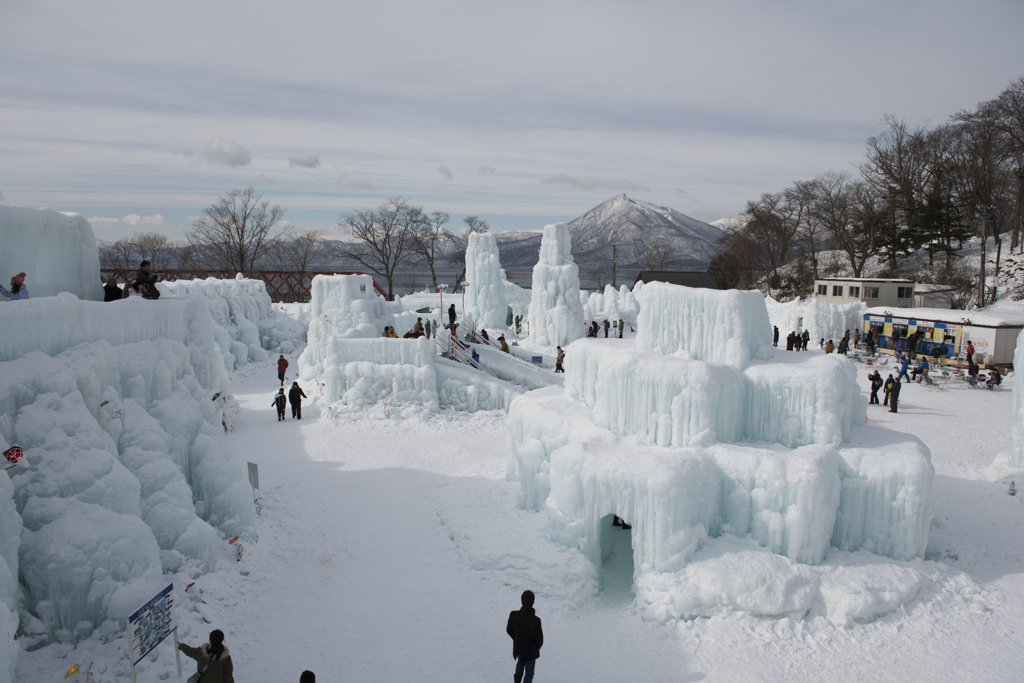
614, 283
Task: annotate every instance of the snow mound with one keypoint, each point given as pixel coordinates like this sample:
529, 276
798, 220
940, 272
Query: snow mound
728, 327
556, 314
56, 251
485, 294
125, 472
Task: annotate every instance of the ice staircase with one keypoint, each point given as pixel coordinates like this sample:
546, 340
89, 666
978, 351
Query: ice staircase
498, 364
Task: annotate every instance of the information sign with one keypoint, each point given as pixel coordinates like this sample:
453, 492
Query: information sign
537, 360
149, 625
254, 475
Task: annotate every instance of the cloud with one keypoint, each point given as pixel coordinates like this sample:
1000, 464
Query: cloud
446, 172
132, 219
593, 183
351, 182
680, 192
486, 170
263, 179
307, 160
185, 152
224, 152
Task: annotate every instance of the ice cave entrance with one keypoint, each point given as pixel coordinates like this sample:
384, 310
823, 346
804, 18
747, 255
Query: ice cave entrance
616, 572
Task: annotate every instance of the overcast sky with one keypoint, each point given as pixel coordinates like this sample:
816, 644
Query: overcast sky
137, 115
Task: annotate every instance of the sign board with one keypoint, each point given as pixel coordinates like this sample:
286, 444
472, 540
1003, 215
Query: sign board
537, 360
254, 475
362, 288
149, 625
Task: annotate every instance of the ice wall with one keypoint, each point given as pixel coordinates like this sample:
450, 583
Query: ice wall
242, 307
821, 319
720, 327
556, 315
125, 474
485, 294
517, 297
10, 540
56, 251
661, 399
807, 400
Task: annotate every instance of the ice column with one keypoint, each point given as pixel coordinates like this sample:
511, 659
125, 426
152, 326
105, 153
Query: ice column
556, 314
1017, 449
485, 293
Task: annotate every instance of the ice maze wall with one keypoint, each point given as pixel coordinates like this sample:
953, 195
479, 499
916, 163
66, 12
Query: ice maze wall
243, 310
125, 474
1017, 447
687, 450
821, 319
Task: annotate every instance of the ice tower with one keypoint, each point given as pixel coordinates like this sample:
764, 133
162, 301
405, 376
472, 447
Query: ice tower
556, 314
485, 293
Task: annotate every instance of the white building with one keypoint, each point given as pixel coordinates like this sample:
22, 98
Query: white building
892, 293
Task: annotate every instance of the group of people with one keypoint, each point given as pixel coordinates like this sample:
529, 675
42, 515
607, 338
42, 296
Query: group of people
144, 285
214, 665
617, 325
892, 390
794, 341
295, 394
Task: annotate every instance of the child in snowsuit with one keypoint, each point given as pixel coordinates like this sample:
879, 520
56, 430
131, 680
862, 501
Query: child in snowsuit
280, 401
18, 288
282, 365
295, 396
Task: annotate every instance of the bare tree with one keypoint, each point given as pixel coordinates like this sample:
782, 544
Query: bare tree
473, 224
297, 254
384, 237
770, 222
850, 213
800, 199
599, 277
122, 255
429, 232
155, 248
740, 264
658, 256
236, 231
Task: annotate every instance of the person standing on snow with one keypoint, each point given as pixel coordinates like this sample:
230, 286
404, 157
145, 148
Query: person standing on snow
213, 661
805, 337
606, 326
527, 635
18, 288
280, 402
876, 384
904, 364
970, 345
307, 677
451, 314
558, 359
622, 328
888, 389
775, 335
282, 366
295, 396
894, 396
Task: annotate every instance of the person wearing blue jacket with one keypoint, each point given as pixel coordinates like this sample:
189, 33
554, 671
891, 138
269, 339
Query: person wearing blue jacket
903, 369
921, 370
18, 288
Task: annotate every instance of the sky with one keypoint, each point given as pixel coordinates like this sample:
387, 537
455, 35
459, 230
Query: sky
138, 115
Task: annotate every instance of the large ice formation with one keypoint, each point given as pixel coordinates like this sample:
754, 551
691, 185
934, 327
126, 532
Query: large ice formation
821, 319
719, 327
1017, 448
556, 314
125, 474
242, 307
360, 368
10, 540
485, 294
688, 450
56, 251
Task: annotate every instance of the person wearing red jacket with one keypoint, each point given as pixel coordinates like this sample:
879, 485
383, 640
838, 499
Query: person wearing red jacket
282, 365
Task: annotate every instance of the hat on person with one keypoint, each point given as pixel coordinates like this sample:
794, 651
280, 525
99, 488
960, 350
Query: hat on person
18, 279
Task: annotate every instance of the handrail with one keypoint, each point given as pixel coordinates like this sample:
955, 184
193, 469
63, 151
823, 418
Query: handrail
459, 354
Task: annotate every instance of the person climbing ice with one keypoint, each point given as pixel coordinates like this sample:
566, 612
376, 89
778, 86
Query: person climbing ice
295, 396
18, 289
503, 344
282, 366
280, 402
527, 635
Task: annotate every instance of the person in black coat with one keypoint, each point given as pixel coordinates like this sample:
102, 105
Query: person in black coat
775, 335
805, 337
527, 638
888, 389
894, 396
145, 277
111, 292
790, 341
295, 396
451, 314
279, 402
876, 384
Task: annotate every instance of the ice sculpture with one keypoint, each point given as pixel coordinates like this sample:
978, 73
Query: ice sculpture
556, 315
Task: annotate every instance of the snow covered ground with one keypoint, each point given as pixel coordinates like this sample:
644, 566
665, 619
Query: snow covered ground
392, 549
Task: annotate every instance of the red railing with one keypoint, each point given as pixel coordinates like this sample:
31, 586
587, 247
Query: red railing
282, 285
